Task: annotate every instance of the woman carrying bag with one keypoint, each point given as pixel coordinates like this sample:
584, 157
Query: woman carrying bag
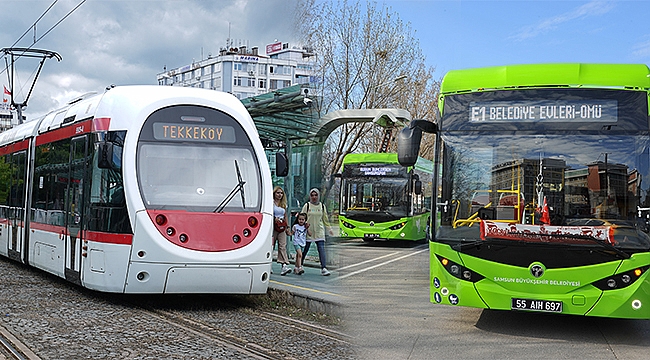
318, 222
281, 228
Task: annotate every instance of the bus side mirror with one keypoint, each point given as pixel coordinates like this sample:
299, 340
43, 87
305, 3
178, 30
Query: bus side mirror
408, 146
281, 164
105, 152
418, 187
408, 141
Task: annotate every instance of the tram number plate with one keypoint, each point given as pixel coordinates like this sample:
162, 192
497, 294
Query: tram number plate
371, 236
536, 305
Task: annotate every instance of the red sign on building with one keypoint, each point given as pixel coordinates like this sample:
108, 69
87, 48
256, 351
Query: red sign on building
271, 48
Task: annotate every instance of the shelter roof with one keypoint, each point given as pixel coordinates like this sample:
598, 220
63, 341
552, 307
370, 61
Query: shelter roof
288, 113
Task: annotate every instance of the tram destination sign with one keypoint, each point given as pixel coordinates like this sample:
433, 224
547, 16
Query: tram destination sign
586, 110
194, 132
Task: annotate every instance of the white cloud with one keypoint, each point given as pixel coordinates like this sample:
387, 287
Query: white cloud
641, 50
129, 42
593, 8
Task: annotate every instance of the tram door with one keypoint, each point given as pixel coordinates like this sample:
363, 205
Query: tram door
17, 205
74, 209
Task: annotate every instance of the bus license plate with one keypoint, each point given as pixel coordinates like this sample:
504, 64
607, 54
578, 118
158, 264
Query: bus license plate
371, 236
536, 305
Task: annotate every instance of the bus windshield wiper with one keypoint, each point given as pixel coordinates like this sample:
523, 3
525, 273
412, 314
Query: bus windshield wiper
605, 244
238, 188
464, 245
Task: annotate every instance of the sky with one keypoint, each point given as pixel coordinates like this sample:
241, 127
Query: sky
125, 42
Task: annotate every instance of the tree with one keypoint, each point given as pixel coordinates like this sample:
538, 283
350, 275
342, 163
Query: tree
368, 58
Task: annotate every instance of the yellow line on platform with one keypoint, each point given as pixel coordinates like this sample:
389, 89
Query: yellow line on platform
303, 288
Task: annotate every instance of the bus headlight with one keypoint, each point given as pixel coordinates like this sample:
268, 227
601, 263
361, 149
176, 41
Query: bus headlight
459, 271
398, 226
620, 281
347, 224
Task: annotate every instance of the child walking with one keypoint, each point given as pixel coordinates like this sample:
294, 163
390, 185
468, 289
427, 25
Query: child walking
300, 231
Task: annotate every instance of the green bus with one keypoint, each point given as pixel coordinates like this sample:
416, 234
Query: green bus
541, 204
380, 199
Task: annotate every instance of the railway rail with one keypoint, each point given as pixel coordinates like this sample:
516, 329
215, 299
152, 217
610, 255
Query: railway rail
58, 320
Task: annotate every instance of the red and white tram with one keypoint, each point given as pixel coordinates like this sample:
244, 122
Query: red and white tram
142, 189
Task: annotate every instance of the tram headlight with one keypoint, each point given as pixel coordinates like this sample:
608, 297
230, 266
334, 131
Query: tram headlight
183, 238
246, 232
161, 219
236, 239
171, 231
621, 280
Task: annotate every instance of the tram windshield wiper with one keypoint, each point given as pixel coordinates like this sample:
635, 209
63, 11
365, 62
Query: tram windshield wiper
238, 188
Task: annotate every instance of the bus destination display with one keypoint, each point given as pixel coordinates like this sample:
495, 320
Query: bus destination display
197, 132
544, 111
374, 170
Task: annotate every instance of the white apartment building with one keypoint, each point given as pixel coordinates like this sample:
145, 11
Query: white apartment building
244, 72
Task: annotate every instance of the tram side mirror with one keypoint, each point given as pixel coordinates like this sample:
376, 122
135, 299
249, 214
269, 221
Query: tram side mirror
418, 187
105, 153
281, 164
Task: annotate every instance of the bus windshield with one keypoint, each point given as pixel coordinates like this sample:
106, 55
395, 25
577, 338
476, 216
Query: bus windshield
520, 165
377, 198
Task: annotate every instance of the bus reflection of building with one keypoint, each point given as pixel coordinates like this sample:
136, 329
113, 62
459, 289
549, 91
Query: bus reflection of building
522, 174
600, 190
607, 190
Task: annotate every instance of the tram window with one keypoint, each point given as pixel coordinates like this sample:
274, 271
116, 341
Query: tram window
50, 185
5, 176
107, 210
17, 191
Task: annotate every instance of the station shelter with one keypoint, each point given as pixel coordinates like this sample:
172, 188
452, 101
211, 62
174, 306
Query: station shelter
289, 120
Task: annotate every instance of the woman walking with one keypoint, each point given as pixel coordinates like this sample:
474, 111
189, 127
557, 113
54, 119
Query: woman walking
281, 228
318, 222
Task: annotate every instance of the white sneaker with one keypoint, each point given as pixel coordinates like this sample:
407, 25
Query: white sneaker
285, 270
324, 272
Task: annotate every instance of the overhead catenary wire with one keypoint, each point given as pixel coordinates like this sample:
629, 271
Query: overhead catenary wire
33, 26
47, 32
36, 40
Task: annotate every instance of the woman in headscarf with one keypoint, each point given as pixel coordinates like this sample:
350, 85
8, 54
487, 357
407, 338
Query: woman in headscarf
318, 221
280, 228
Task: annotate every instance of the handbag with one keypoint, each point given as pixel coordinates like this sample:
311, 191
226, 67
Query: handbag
280, 224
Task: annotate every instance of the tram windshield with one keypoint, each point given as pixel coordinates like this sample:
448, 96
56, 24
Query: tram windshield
198, 177
572, 181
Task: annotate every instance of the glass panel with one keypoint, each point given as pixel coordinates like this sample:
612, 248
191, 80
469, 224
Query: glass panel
580, 178
51, 173
375, 198
197, 178
108, 211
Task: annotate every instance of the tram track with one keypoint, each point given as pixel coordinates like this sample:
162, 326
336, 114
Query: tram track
12, 348
214, 334
200, 323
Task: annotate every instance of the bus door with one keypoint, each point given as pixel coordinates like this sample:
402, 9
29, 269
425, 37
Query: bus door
74, 209
17, 205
